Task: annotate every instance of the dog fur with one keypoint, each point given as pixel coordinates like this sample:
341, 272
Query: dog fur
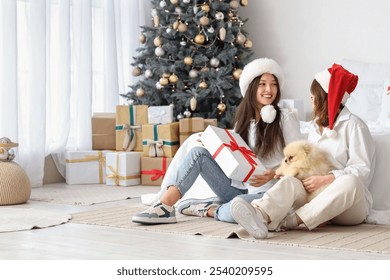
302, 160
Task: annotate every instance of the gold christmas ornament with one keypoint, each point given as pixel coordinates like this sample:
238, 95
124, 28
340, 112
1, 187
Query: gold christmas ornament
142, 38
164, 81
244, 2
204, 21
240, 39
140, 92
248, 44
204, 69
188, 60
199, 39
221, 107
237, 74
193, 103
205, 8
156, 21
157, 41
136, 71
182, 27
222, 33
175, 25
203, 85
173, 78
174, 2
166, 75
234, 4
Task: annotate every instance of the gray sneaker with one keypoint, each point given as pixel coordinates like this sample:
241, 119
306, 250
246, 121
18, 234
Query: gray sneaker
249, 218
197, 207
159, 213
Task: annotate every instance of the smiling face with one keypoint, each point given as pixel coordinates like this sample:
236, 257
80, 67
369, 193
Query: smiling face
267, 90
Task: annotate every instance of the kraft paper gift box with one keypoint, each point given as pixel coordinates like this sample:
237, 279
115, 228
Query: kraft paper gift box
160, 114
129, 121
153, 170
85, 167
189, 126
231, 153
103, 131
207, 122
123, 168
160, 140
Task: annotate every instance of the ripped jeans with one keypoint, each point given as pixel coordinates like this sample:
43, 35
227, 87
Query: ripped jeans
200, 162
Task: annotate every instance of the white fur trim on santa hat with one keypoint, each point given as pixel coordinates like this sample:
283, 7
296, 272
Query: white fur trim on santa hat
323, 78
258, 67
268, 113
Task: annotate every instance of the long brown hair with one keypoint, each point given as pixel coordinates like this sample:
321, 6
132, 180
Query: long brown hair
320, 110
267, 134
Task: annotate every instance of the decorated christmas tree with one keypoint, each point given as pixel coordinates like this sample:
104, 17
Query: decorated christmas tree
191, 58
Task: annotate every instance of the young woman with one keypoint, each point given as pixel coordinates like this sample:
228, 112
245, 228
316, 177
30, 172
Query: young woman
347, 200
263, 126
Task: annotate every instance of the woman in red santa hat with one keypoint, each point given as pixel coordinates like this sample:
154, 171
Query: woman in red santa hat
346, 200
263, 126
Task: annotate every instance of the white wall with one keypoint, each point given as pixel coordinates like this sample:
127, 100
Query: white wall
307, 36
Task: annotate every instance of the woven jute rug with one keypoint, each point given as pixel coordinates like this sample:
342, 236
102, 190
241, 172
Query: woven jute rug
365, 238
16, 219
87, 194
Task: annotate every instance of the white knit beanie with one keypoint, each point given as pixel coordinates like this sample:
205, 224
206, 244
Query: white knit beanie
257, 68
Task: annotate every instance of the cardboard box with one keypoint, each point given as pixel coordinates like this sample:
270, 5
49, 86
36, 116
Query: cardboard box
160, 114
160, 140
103, 131
123, 168
129, 121
153, 170
85, 167
231, 153
189, 126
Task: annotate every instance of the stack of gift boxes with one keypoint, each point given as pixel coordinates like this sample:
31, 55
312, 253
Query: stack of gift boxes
133, 146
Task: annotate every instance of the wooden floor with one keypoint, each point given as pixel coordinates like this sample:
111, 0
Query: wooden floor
86, 242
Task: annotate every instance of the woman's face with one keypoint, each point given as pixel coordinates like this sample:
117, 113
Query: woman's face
266, 90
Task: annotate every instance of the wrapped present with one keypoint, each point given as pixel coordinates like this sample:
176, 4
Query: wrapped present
103, 131
153, 170
86, 167
207, 122
231, 153
188, 126
160, 140
160, 114
129, 121
123, 168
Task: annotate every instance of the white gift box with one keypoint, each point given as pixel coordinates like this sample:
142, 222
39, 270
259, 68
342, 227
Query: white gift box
231, 153
85, 167
160, 114
123, 168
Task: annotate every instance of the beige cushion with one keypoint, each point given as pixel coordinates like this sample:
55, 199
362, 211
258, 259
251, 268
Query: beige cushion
15, 187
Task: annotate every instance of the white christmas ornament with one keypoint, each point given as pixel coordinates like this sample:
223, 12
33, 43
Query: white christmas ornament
159, 51
214, 62
268, 113
148, 73
193, 73
158, 85
186, 1
163, 4
219, 16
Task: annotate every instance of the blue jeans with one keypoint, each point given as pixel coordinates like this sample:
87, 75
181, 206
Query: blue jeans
200, 162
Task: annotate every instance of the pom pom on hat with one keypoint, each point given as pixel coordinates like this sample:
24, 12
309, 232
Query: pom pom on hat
257, 68
338, 83
268, 113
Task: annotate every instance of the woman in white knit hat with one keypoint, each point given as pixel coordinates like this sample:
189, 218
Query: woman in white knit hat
346, 200
263, 126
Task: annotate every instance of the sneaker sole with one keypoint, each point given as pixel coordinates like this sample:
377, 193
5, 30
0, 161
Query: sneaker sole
245, 215
154, 221
194, 201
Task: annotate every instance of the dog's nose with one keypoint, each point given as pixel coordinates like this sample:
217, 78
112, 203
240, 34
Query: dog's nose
286, 161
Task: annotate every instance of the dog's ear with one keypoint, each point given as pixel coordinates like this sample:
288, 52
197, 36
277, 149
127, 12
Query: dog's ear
307, 148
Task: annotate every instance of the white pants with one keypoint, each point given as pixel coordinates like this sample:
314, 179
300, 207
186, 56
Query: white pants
342, 202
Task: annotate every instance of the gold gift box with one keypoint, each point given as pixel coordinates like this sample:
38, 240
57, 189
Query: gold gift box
189, 126
160, 139
129, 120
103, 131
153, 170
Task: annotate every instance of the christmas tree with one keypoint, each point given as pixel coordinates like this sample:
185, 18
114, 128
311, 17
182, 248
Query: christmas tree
191, 58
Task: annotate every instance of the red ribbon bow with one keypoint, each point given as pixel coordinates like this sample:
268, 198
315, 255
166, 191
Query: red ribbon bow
156, 172
248, 154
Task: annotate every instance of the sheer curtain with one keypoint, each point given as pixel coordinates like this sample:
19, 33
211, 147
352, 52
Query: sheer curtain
62, 60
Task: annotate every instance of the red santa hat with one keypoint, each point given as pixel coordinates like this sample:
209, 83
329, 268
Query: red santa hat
257, 68
338, 83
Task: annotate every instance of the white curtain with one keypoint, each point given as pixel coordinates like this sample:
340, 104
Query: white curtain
61, 61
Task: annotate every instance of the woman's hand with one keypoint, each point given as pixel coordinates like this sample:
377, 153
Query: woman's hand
259, 180
313, 183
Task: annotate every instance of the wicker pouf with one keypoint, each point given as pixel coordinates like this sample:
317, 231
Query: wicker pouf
15, 187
